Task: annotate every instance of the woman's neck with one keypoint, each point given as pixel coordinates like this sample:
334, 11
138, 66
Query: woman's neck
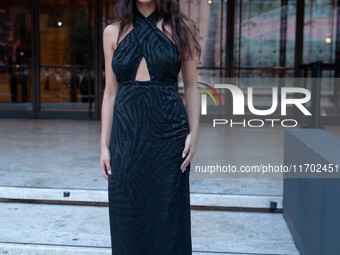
146, 8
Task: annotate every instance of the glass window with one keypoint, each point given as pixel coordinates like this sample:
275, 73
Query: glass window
15, 55
264, 38
66, 55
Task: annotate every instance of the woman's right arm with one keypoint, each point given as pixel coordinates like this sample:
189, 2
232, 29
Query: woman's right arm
110, 34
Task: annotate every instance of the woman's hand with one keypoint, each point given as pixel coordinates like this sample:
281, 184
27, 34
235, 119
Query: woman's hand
189, 151
105, 166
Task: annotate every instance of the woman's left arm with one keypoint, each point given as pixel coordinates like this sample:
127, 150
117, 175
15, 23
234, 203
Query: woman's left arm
192, 102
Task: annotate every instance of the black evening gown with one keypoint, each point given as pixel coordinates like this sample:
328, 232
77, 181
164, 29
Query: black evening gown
149, 198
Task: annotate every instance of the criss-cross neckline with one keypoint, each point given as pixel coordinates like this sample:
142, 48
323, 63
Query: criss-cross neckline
150, 17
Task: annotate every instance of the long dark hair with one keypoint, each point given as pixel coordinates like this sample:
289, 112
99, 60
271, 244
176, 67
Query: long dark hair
184, 30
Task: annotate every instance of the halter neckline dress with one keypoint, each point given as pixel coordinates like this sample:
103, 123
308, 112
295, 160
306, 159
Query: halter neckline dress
149, 196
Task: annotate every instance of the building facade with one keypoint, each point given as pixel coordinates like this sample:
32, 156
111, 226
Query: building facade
52, 63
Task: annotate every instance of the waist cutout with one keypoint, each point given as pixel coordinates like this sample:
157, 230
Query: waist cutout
148, 83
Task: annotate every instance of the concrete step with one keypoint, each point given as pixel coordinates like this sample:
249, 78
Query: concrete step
41, 249
100, 197
67, 229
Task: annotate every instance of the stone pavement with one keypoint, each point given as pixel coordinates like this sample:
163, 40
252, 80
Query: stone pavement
54, 229
42, 160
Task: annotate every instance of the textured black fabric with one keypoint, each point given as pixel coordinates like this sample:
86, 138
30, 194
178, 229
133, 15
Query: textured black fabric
149, 198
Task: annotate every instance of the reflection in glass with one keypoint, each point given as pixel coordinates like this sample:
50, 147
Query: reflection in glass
66, 55
319, 31
320, 35
15, 55
264, 38
210, 17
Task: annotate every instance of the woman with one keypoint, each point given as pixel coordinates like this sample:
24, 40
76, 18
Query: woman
146, 143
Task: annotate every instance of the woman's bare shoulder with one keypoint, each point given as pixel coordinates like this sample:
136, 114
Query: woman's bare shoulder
110, 33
